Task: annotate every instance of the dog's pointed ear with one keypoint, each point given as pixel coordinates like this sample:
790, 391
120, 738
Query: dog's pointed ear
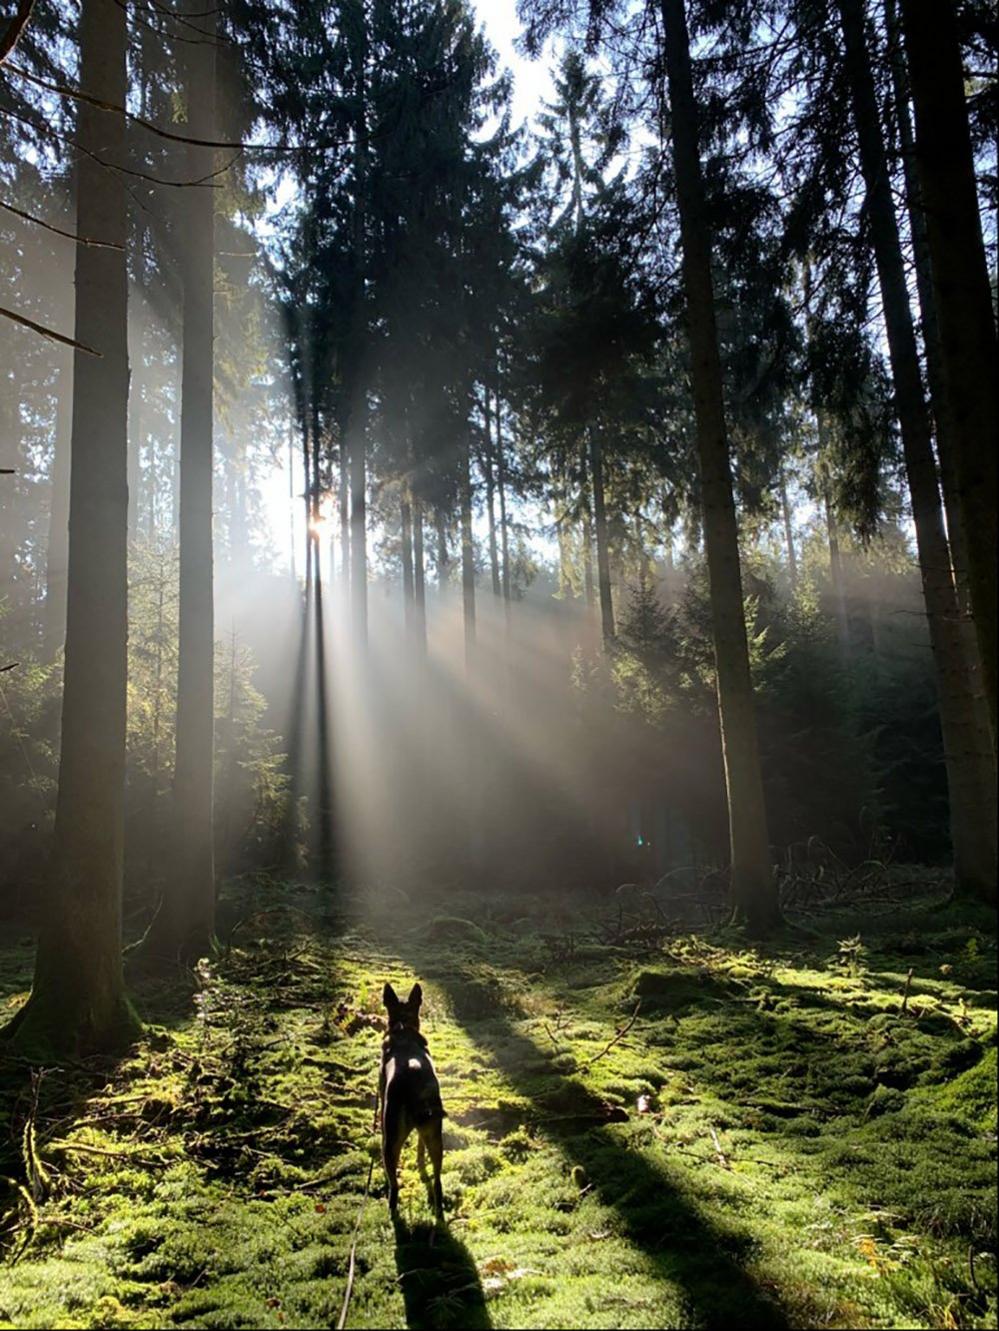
389, 997
415, 995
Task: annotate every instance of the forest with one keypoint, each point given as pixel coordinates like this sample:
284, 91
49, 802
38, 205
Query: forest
498, 505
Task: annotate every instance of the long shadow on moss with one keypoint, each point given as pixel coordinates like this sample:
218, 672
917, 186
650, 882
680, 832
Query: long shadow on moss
439, 1279
695, 1256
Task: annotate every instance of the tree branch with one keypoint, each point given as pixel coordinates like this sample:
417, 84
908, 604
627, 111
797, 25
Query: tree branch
48, 332
14, 29
70, 235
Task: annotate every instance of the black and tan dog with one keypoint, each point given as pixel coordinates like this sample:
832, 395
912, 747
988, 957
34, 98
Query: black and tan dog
409, 1094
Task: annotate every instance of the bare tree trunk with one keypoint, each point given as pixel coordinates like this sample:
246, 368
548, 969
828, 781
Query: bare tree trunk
836, 578
589, 586
754, 893
972, 804
57, 553
358, 403
419, 578
291, 501
504, 526
962, 298
467, 549
443, 557
792, 558
186, 923
487, 464
600, 526
78, 1001
135, 431
943, 420
358, 526
408, 590
344, 517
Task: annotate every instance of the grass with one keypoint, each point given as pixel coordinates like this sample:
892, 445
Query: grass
679, 1132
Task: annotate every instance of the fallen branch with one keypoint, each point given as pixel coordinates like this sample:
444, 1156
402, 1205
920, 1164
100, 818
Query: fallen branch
620, 1034
113, 1155
723, 1159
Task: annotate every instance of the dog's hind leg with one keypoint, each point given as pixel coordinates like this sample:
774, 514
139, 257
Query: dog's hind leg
432, 1134
392, 1140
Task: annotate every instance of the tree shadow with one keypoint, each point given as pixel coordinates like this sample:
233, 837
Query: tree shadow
701, 1259
439, 1279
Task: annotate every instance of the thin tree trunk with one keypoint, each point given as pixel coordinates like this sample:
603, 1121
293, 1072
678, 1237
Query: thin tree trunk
408, 589
792, 557
358, 526
467, 549
836, 578
589, 587
344, 517
358, 400
135, 432
753, 889
972, 805
443, 558
78, 1001
419, 578
600, 525
291, 501
962, 297
186, 923
57, 553
487, 462
504, 527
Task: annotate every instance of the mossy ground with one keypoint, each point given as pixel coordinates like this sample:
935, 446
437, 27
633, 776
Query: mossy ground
782, 1136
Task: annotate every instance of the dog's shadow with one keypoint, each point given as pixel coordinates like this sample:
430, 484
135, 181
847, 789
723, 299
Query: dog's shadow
439, 1280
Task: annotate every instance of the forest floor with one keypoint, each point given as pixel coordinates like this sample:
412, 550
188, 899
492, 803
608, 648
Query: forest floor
643, 1130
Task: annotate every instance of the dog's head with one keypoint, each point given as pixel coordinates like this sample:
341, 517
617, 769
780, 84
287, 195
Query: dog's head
403, 1015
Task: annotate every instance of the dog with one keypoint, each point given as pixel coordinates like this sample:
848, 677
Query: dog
409, 1095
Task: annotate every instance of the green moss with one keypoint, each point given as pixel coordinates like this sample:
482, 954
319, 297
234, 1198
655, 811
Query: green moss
769, 1142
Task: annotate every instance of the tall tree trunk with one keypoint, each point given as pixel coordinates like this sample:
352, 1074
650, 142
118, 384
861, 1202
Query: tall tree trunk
972, 804
358, 398
344, 516
945, 425
487, 463
600, 525
443, 557
467, 548
358, 524
419, 578
504, 527
291, 501
135, 432
838, 588
589, 586
186, 923
78, 1001
792, 557
754, 892
408, 588
963, 298
57, 553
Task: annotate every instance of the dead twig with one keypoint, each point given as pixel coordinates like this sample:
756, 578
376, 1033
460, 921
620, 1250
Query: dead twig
82, 1147
621, 1032
723, 1159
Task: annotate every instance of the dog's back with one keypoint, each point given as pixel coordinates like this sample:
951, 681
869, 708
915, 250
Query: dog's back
410, 1092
